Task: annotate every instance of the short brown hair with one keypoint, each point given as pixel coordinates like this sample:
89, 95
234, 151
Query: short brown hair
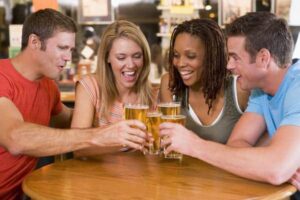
44, 23
264, 30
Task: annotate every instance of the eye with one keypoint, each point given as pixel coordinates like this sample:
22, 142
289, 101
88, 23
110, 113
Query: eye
191, 56
63, 47
137, 55
176, 55
121, 57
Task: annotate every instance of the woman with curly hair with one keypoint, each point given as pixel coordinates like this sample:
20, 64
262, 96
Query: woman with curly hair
210, 97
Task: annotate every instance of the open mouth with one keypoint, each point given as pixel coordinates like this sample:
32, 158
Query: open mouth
129, 75
186, 74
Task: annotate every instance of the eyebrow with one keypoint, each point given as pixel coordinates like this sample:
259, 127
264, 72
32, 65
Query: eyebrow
233, 54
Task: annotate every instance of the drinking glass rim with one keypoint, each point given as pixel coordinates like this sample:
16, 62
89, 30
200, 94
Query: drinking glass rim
154, 114
173, 116
136, 105
169, 104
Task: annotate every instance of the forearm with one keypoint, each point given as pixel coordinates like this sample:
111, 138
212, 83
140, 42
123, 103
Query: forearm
36, 140
257, 163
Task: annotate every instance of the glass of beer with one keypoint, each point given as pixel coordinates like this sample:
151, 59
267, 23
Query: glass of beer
169, 108
179, 119
136, 111
153, 122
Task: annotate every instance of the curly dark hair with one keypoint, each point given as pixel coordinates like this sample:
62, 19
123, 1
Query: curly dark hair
214, 74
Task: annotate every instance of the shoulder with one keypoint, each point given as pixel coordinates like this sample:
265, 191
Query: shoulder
165, 80
88, 85
165, 94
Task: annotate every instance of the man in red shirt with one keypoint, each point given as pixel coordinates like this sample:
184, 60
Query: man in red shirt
30, 99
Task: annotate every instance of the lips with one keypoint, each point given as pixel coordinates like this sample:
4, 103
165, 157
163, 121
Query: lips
186, 74
129, 75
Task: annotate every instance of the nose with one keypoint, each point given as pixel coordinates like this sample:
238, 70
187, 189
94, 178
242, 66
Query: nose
130, 63
230, 64
180, 62
67, 56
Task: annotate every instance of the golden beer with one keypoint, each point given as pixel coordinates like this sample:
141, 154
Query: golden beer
136, 111
153, 122
170, 108
179, 119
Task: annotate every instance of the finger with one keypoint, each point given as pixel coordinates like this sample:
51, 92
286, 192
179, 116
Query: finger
165, 132
150, 137
137, 132
137, 124
166, 141
166, 125
295, 183
168, 149
136, 139
133, 145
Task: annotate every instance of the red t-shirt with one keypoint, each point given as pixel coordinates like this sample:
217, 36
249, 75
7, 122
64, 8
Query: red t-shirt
36, 101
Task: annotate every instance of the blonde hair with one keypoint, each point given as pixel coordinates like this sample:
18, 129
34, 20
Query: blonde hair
105, 77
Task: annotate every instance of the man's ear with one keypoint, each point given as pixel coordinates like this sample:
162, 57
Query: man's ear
263, 57
34, 41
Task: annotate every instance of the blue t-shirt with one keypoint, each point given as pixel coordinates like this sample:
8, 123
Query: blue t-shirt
284, 107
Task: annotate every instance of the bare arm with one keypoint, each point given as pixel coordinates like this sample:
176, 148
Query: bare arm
83, 118
247, 137
274, 163
20, 137
165, 95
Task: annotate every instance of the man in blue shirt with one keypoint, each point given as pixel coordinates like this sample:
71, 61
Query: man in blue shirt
260, 48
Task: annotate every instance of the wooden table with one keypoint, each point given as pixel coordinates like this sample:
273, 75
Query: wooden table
135, 176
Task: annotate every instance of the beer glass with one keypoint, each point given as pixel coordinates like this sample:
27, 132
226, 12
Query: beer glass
136, 111
153, 122
179, 119
169, 108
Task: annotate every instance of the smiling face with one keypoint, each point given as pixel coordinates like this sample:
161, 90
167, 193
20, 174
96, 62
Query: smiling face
126, 60
58, 51
241, 64
188, 58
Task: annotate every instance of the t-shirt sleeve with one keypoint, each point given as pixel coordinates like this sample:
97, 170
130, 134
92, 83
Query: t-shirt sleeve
5, 87
292, 106
255, 102
57, 104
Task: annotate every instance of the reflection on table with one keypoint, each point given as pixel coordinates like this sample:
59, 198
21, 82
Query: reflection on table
135, 176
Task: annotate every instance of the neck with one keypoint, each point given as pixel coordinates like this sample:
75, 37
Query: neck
127, 96
274, 79
25, 64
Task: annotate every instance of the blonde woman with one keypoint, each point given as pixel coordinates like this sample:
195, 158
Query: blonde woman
121, 77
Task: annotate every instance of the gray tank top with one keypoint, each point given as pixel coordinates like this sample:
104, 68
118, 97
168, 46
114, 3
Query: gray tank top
221, 129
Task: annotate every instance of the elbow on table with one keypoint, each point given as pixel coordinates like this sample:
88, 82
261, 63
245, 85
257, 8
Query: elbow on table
278, 175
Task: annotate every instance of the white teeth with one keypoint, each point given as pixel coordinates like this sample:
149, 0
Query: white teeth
129, 73
185, 72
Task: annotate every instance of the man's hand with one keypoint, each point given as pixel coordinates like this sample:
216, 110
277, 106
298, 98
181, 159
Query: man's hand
295, 180
127, 133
